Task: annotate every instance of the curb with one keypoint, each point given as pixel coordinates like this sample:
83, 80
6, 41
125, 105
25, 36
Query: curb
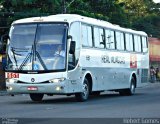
152, 84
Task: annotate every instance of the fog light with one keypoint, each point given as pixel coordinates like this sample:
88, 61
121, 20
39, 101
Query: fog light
58, 88
10, 88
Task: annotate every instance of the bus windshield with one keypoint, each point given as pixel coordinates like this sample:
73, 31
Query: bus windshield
36, 47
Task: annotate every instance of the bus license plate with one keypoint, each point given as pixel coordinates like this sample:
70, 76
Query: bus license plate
32, 88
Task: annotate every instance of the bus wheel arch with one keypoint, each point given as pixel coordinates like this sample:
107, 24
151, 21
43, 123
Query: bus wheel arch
89, 78
132, 85
87, 88
135, 78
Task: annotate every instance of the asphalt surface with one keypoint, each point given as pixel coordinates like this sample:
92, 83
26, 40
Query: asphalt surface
144, 104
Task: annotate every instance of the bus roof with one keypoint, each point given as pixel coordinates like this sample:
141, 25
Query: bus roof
73, 17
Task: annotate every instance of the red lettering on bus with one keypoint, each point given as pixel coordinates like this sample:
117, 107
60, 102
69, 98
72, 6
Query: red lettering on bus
12, 75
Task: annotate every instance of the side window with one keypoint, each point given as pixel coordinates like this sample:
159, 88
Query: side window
144, 44
129, 42
110, 43
101, 38
98, 37
137, 43
76, 36
119, 40
90, 42
86, 36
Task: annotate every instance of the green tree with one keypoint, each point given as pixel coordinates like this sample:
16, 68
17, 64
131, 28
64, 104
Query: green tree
150, 24
107, 10
127, 13
11, 10
15, 9
143, 15
135, 8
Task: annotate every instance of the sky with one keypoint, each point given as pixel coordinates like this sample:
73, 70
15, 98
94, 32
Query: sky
156, 1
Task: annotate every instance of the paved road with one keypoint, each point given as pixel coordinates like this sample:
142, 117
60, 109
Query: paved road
144, 104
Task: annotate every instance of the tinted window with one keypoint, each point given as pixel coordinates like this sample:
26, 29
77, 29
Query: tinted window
119, 40
86, 36
137, 43
110, 43
98, 37
144, 44
129, 42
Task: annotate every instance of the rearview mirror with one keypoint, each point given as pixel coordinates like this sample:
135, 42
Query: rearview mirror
2, 48
3, 43
69, 37
72, 47
4, 62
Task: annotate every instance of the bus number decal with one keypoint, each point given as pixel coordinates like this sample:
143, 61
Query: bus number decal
12, 75
133, 61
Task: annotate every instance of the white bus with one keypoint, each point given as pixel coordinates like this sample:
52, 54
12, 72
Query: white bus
69, 54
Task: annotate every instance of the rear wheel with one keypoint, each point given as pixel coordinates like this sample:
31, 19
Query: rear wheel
36, 97
83, 96
131, 90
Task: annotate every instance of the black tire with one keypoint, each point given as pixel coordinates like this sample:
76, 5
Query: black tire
36, 97
130, 91
96, 93
83, 96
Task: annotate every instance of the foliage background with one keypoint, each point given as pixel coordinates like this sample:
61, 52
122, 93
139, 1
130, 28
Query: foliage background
136, 14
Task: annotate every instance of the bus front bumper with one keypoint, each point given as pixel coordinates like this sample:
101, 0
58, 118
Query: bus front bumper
48, 88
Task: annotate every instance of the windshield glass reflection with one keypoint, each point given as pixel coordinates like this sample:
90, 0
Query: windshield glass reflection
37, 47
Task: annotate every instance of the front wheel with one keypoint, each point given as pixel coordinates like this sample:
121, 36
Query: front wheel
36, 97
83, 96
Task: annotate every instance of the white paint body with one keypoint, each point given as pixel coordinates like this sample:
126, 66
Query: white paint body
109, 69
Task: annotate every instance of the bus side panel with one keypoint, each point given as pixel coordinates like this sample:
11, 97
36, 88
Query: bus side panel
111, 70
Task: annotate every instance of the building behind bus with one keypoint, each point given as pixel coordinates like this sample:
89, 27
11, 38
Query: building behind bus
154, 55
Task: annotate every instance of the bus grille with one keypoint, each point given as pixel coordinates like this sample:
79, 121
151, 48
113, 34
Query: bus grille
21, 82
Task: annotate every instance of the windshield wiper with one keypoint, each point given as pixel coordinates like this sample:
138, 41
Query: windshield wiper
32, 55
29, 55
40, 59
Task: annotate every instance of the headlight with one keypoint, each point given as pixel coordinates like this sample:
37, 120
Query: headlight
11, 80
57, 80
